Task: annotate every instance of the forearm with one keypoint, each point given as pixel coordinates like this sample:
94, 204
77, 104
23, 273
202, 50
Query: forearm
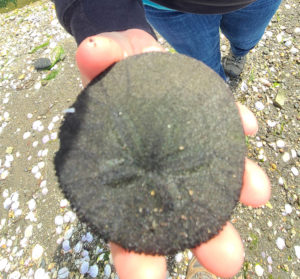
84, 18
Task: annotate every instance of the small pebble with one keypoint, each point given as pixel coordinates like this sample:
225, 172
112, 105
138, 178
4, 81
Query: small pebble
15, 196
7, 203
63, 203
5, 193
59, 220
297, 251
269, 260
38, 175
3, 263
271, 123
68, 233
294, 50
6, 115
15, 275
45, 191
280, 143
43, 183
279, 37
15, 205
40, 273
294, 153
269, 34
28, 231
53, 136
35, 169
259, 270
37, 252
30, 216
4, 174
280, 181
288, 43
36, 124
32, 205
55, 119
244, 86
179, 257
63, 273
89, 237
66, 245
288, 209
286, 157
107, 270
280, 243
41, 165
58, 230
259, 105
35, 143
259, 144
69, 217
270, 269
93, 271
44, 152
295, 171
38, 85
69, 110
42, 63
78, 247
84, 267
26, 135
45, 139
18, 212
84, 253
51, 126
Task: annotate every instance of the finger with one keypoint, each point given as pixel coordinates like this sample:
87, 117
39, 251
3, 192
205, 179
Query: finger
97, 53
248, 120
256, 190
130, 265
222, 255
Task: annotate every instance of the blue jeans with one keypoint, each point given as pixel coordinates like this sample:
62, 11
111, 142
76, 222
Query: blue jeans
198, 35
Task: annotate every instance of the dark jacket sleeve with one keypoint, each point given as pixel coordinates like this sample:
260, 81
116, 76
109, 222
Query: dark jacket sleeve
84, 18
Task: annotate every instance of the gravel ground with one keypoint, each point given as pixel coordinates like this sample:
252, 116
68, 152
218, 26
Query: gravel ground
40, 236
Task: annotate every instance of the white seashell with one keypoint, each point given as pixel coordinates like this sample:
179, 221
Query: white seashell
26, 135
59, 220
280, 243
259, 270
259, 105
37, 252
295, 171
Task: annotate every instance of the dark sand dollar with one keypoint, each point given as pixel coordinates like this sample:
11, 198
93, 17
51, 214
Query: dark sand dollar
153, 157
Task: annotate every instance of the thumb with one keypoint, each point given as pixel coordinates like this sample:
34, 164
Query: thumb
95, 54
98, 52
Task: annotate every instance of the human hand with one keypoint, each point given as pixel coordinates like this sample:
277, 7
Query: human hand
223, 255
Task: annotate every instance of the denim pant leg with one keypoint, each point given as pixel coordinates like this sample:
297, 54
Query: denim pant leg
245, 27
194, 35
